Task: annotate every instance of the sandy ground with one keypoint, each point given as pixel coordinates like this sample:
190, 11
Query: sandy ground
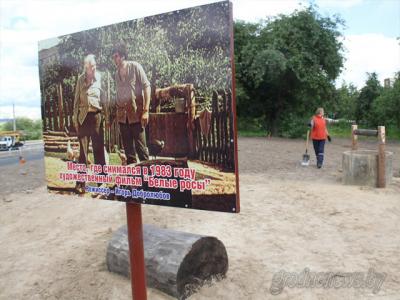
292, 218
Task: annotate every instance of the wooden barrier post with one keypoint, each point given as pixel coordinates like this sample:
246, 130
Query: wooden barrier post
380, 133
354, 137
136, 251
381, 157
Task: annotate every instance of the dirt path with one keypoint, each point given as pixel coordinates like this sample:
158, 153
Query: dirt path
292, 218
280, 158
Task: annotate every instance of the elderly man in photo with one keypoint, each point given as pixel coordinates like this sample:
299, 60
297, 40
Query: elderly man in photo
89, 108
132, 104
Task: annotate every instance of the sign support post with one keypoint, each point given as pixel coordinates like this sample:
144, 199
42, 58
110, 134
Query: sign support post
136, 251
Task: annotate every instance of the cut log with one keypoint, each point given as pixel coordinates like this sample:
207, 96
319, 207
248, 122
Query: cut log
178, 90
177, 263
166, 95
61, 143
59, 148
366, 132
60, 138
55, 133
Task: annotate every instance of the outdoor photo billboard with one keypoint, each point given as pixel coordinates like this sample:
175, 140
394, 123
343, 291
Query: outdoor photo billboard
144, 110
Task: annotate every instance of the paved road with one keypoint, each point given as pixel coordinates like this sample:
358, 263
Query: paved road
15, 177
30, 151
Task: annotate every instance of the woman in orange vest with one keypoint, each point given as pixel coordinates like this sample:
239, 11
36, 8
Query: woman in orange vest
319, 134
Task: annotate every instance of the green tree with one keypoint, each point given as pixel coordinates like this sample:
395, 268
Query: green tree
346, 100
368, 94
247, 100
288, 67
31, 129
385, 107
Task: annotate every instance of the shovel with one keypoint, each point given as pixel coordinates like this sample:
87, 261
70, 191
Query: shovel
306, 156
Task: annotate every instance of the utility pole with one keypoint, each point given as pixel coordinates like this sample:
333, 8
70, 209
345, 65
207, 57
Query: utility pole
14, 123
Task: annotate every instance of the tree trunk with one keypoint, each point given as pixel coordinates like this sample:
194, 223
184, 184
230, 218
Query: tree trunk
177, 263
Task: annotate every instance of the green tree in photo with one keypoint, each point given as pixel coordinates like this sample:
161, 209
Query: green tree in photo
185, 46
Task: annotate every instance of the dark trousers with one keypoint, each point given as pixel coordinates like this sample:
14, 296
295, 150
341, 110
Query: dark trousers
91, 129
319, 146
134, 141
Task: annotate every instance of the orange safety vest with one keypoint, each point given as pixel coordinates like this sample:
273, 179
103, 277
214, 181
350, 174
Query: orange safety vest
318, 131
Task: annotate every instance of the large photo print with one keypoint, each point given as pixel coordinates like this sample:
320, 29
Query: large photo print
143, 110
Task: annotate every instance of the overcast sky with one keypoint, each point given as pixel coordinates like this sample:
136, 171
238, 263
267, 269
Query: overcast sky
370, 35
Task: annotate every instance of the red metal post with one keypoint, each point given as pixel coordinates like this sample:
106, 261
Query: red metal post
381, 157
136, 251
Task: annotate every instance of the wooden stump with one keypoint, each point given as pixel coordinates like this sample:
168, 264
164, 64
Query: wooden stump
177, 263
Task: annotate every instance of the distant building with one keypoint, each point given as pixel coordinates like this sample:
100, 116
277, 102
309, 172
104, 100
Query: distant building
388, 82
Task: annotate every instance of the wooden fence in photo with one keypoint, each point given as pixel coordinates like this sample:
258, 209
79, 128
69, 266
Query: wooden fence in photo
216, 145
57, 112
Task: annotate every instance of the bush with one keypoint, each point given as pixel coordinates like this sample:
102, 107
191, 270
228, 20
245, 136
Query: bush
251, 126
293, 126
341, 129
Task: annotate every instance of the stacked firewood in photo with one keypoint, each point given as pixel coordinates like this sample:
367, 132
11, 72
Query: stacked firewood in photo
61, 142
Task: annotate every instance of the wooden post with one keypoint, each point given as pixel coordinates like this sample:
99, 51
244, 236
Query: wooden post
157, 101
217, 118
226, 134
381, 157
231, 137
136, 251
153, 99
354, 137
190, 102
60, 107
212, 129
71, 106
44, 113
54, 114
108, 114
48, 110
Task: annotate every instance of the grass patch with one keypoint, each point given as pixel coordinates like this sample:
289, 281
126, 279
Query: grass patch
343, 130
251, 127
248, 127
251, 133
338, 131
